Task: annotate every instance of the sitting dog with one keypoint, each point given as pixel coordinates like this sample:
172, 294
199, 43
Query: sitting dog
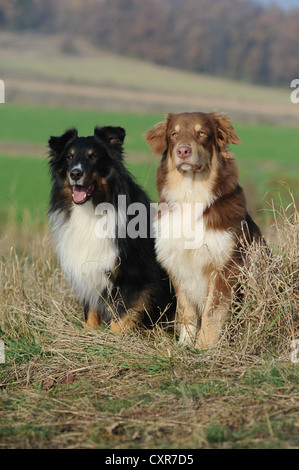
197, 172
116, 276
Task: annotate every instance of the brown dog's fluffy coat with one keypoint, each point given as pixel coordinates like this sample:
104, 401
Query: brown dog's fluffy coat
198, 168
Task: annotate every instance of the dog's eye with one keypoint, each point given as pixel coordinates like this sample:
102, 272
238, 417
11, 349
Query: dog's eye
91, 156
202, 133
174, 134
70, 156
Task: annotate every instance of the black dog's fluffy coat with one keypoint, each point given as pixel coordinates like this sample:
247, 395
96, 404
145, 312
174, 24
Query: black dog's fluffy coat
118, 279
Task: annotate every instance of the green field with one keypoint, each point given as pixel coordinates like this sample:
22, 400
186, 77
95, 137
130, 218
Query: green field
267, 158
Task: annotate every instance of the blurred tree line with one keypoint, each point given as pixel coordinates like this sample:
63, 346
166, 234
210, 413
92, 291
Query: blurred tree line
231, 38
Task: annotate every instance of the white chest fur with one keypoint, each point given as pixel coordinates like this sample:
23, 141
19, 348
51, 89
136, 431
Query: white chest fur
187, 265
87, 258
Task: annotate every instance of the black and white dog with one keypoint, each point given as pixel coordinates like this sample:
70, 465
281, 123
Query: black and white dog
116, 276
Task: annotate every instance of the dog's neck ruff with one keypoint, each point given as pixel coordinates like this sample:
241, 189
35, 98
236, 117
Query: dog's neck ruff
88, 257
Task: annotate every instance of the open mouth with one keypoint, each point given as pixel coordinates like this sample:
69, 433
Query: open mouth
81, 194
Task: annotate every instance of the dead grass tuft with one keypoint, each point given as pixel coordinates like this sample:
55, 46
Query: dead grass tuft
266, 318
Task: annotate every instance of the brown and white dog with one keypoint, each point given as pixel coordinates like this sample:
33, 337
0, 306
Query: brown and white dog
197, 168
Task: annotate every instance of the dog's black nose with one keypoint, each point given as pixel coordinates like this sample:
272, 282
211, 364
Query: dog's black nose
76, 174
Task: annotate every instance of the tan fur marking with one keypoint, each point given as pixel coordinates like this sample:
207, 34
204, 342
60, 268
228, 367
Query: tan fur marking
133, 318
93, 319
197, 127
66, 191
126, 323
102, 192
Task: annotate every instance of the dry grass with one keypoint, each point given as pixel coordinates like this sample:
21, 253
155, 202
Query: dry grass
65, 387
267, 319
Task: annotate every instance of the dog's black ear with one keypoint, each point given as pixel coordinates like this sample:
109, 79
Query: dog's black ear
114, 136
57, 144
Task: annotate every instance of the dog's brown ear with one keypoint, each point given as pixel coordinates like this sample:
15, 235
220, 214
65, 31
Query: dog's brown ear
226, 134
156, 138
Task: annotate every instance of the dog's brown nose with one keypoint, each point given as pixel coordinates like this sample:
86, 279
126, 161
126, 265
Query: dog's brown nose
184, 151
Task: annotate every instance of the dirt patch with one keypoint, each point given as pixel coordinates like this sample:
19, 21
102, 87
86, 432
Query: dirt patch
26, 149
118, 99
29, 149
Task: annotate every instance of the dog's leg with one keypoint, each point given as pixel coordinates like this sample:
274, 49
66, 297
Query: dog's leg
215, 313
130, 317
127, 322
186, 318
92, 318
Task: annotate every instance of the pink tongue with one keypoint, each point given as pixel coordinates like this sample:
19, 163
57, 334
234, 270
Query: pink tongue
79, 194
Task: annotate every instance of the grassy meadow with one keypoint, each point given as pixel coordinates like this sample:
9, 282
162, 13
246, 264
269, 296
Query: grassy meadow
62, 386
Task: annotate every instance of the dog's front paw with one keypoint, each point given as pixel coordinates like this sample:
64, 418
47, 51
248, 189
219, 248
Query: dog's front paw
187, 335
206, 340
